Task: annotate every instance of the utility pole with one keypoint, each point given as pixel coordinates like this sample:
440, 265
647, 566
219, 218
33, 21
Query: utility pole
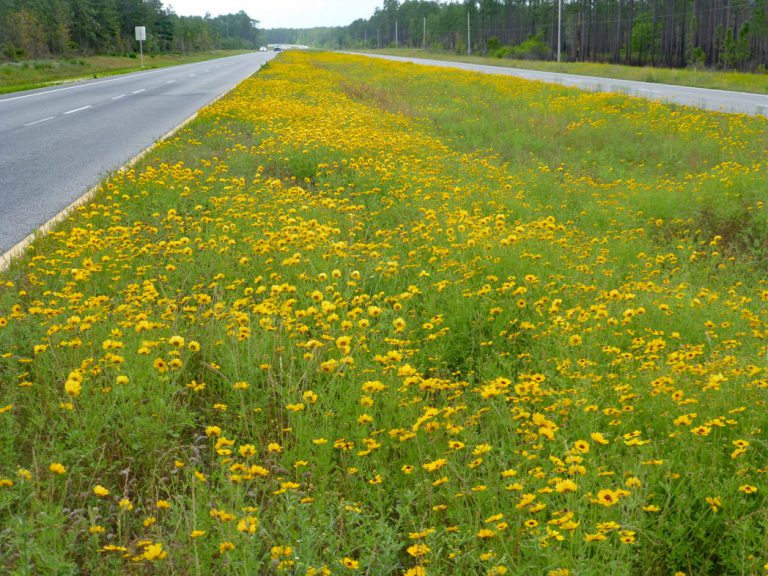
469, 36
395, 34
559, 27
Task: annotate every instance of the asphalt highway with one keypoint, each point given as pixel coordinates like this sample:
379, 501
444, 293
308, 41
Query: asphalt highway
717, 100
56, 143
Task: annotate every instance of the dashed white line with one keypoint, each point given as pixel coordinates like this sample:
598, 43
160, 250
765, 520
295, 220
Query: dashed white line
139, 91
170, 81
39, 121
78, 109
192, 75
118, 97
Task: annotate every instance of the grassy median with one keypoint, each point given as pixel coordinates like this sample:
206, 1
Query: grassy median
367, 317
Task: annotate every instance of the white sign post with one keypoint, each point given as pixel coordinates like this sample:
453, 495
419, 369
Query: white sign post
141, 35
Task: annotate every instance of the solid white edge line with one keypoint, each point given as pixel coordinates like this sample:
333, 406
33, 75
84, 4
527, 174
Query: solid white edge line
39, 121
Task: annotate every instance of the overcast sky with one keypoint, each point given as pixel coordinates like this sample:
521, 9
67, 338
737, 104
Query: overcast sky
282, 13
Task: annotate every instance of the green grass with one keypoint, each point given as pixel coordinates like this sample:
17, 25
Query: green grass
735, 81
29, 74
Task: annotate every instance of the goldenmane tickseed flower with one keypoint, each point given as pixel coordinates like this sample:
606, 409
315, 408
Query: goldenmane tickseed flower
701, 430
566, 485
607, 498
627, 537
113, 548
418, 550
748, 489
73, 387
581, 446
99, 490
176, 341
434, 465
350, 563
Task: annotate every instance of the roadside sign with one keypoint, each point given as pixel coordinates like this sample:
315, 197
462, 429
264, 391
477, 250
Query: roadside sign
141, 36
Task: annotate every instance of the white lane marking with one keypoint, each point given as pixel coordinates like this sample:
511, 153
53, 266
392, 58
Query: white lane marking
79, 109
139, 91
39, 121
118, 97
170, 81
192, 75
206, 70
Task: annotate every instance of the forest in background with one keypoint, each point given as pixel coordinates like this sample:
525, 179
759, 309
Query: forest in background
723, 34
718, 34
44, 28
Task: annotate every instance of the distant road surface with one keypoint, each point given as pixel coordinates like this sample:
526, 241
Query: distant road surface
56, 143
718, 100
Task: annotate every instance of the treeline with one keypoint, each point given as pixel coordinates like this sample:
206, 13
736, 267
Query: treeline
40, 28
730, 34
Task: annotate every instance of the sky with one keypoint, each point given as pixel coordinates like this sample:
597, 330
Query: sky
282, 13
